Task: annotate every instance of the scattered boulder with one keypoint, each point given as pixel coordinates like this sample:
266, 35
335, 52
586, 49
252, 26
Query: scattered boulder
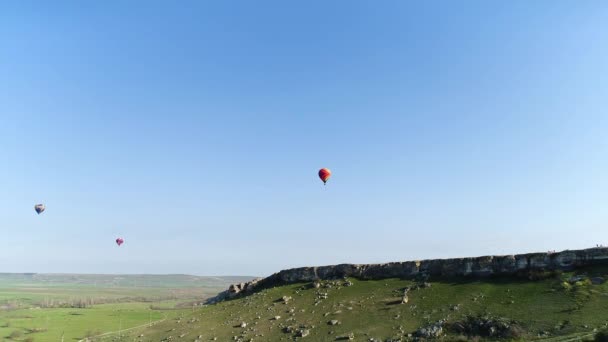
234, 290
349, 337
543, 334
333, 322
487, 327
303, 332
597, 280
576, 278
432, 331
405, 299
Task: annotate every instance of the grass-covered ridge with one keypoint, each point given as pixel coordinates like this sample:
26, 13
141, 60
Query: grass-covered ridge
553, 304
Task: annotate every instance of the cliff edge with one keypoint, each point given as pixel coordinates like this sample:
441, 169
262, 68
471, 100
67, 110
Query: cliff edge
465, 267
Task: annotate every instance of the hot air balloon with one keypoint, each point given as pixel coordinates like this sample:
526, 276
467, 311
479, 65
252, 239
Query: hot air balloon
119, 241
324, 174
39, 208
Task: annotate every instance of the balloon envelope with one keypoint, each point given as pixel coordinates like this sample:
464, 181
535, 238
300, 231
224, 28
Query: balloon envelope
324, 174
119, 241
39, 208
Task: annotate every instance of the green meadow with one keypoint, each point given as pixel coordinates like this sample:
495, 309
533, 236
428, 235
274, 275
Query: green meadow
52, 307
75, 324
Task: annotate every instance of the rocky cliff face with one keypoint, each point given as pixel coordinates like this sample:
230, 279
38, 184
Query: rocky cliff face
473, 267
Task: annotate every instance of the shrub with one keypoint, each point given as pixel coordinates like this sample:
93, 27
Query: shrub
542, 274
601, 336
16, 334
581, 283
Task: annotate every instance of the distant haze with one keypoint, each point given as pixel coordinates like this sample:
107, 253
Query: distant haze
195, 133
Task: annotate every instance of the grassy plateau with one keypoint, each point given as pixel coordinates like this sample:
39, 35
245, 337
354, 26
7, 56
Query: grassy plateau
545, 306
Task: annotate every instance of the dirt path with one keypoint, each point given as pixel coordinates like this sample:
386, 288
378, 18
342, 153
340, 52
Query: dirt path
570, 338
123, 330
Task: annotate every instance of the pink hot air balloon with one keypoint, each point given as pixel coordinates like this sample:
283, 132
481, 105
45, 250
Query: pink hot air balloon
119, 241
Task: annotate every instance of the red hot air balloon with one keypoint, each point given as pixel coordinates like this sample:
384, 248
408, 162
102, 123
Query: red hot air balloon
119, 241
324, 174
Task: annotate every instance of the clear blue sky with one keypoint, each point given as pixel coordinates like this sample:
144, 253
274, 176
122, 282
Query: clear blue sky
195, 132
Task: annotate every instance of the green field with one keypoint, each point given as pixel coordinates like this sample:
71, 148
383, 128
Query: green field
50, 324
551, 308
47, 307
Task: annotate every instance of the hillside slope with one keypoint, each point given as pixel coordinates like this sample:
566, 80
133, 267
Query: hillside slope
541, 304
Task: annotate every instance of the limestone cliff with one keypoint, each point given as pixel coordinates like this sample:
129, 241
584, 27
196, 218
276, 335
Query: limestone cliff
471, 267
